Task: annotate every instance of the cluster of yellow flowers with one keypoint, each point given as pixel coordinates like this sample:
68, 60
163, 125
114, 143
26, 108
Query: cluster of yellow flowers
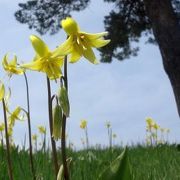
152, 133
78, 44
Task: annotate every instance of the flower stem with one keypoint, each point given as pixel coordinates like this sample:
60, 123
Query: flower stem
63, 140
7, 142
29, 128
53, 144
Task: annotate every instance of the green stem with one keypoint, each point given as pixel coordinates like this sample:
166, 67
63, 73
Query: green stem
7, 142
29, 128
53, 144
63, 140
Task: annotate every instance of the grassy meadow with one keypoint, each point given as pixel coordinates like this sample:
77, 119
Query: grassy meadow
147, 163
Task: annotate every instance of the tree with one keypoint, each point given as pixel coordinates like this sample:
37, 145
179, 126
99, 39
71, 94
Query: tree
126, 23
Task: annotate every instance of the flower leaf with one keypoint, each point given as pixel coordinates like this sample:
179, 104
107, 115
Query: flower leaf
119, 169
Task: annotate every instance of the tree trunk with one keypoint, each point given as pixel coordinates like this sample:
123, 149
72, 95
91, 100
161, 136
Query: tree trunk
167, 33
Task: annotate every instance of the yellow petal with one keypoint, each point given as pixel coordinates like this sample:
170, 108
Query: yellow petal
35, 65
70, 26
2, 91
39, 46
76, 53
89, 55
94, 36
4, 62
99, 43
63, 49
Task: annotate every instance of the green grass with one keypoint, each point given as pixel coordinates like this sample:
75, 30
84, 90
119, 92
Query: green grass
147, 163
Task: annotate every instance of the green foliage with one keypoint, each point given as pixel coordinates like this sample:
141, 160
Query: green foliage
147, 163
119, 169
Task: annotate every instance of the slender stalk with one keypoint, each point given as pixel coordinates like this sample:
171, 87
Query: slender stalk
87, 140
7, 142
29, 129
63, 140
53, 144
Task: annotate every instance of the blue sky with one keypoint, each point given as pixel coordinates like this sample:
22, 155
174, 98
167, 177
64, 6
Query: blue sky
124, 93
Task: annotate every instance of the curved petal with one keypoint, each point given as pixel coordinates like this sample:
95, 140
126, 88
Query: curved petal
63, 49
94, 36
89, 55
5, 62
76, 53
98, 43
35, 65
39, 46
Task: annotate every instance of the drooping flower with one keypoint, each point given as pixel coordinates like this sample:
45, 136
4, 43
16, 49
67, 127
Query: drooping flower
11, 67
83, 124
15, 115
49, 62
81, 43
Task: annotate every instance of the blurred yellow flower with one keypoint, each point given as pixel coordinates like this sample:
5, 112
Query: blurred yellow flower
11, 67
150, 122
34, 137
83, 124
81, 43
2, 126
2, 91
156, 126
15, 115
42, 129
49, 62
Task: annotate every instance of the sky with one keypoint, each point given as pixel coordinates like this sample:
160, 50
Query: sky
124, 93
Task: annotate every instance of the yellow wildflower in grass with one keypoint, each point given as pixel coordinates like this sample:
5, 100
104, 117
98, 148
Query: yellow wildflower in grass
150, 122
34, 137
2, 126
42, 129
11, 67
156, 126
81, 43
15, 115
83, 124
46, 61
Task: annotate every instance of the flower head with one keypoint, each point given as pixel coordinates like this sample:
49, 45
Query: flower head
42, 129
83, 124
34, 137
11, 67
49, 62
81, 43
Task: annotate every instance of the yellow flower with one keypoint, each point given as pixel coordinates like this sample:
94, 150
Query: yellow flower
34, 137
42, 129
15, 115
2, 126
11, 67
81, 43
156, 126
83, 124
150, 122
2, 91
49, 62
